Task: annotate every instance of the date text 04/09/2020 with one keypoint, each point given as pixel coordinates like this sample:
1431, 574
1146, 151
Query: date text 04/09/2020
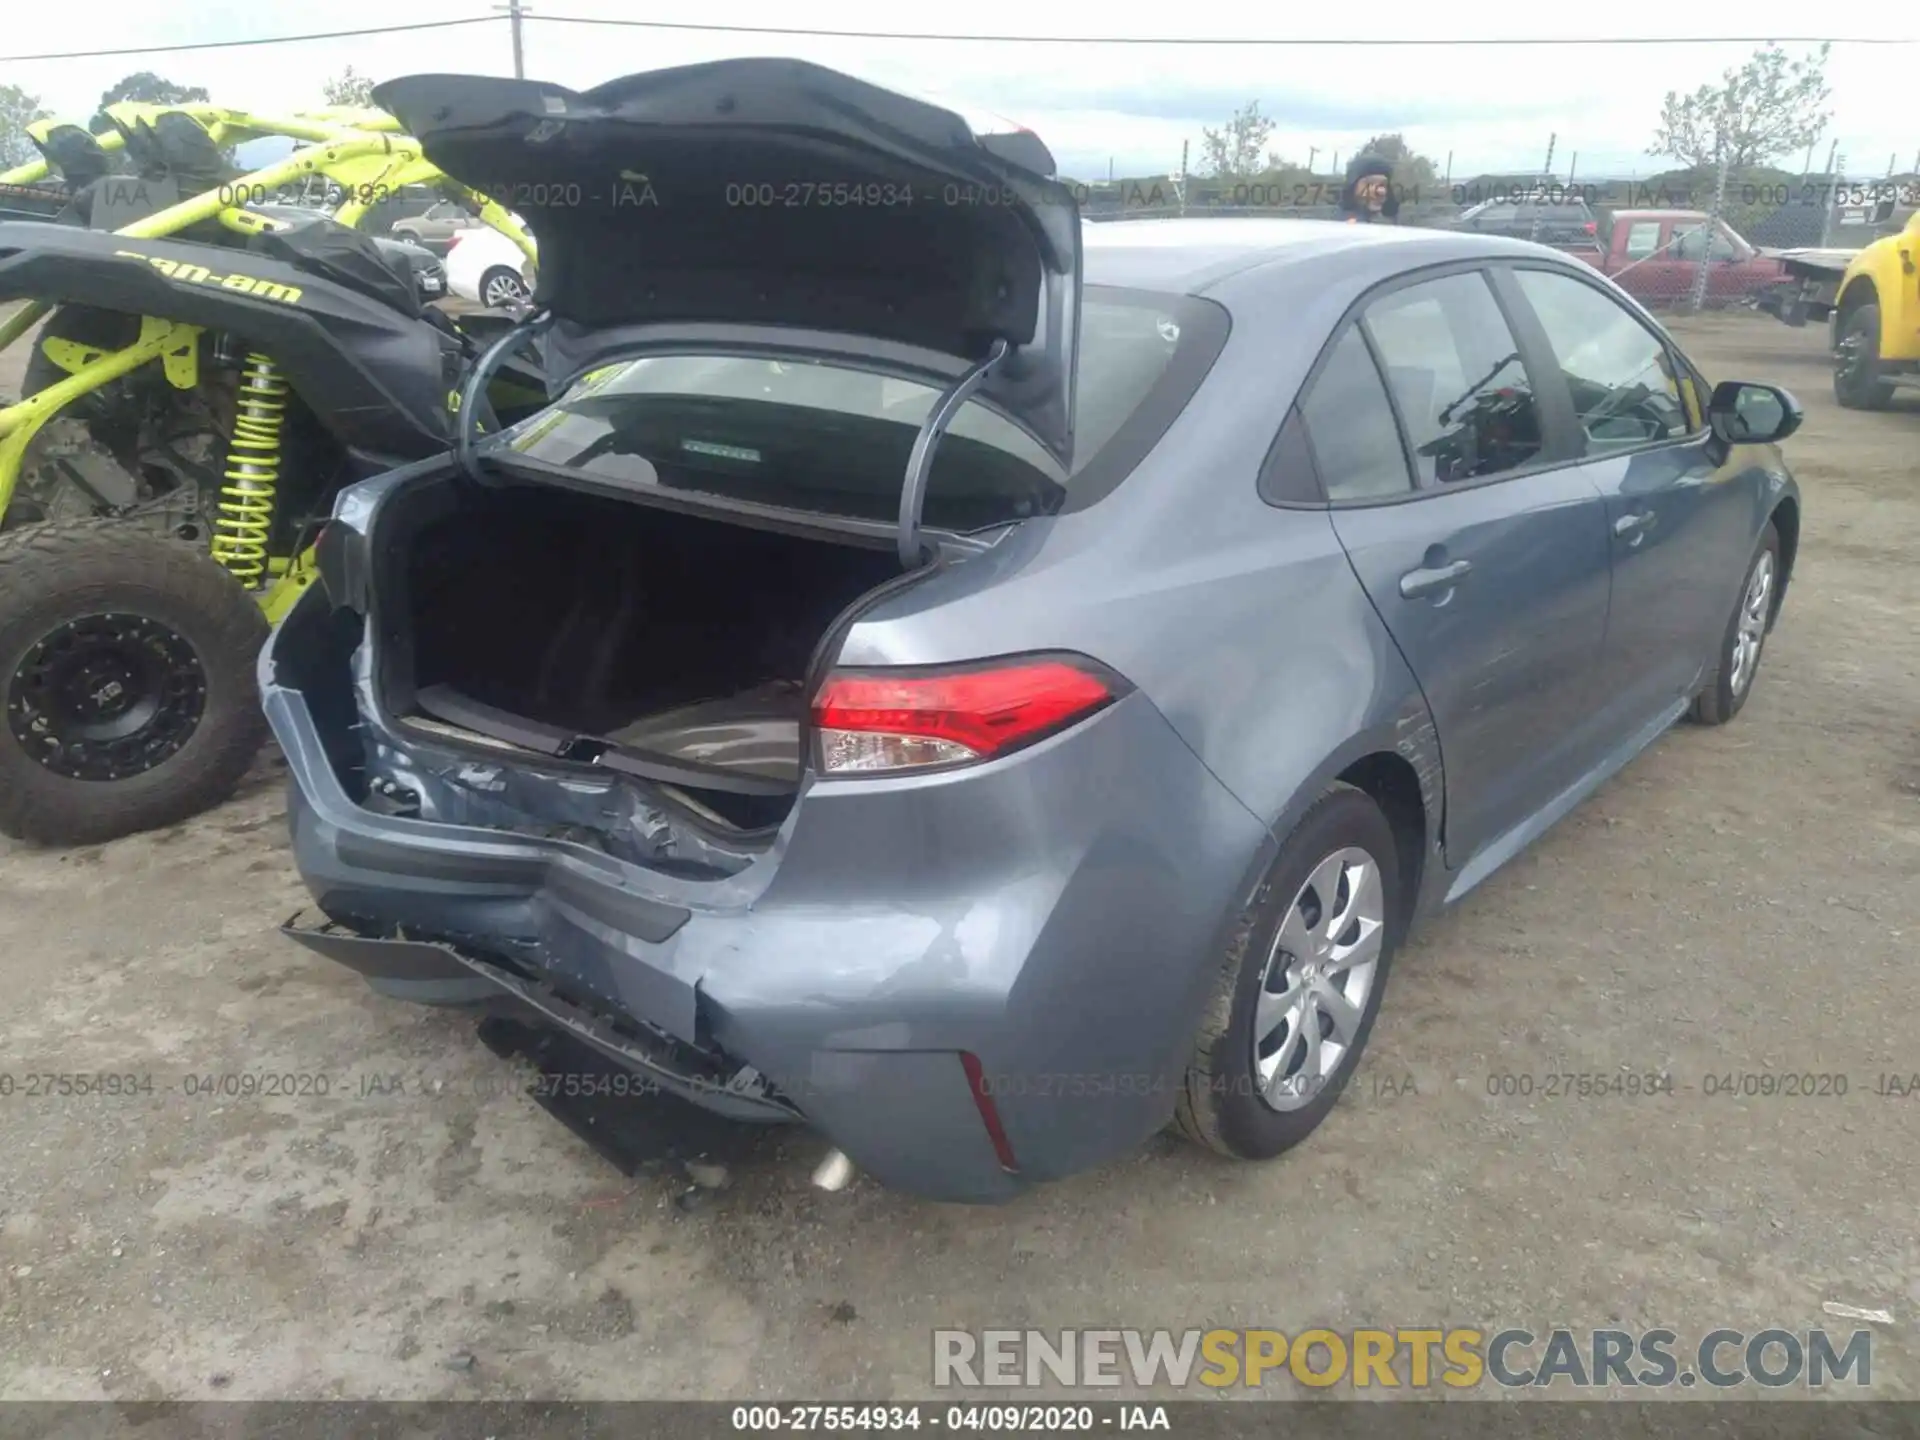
1011, 1419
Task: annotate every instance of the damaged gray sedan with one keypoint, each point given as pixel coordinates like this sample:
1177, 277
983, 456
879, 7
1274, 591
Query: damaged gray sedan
975, 688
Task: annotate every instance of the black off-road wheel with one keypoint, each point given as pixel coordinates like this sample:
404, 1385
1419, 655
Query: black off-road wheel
1299, 985
1859, 381
127, 691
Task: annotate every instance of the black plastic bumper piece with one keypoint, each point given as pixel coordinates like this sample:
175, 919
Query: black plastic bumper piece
411, 961
630, 1123
418, 969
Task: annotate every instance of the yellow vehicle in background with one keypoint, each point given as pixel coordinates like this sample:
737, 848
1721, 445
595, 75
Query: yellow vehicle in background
209, 367
1871, 301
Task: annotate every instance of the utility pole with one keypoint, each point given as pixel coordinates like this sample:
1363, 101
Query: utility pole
1447, 184
1533, 232
1834, 158
1181, 189
515, 11
1312, 151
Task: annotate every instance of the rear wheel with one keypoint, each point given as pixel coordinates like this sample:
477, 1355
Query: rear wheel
126, 679
501, 287
1859, 380
1299, 987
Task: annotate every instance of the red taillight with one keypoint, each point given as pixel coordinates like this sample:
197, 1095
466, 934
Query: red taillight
877, 721
989, 1112
455, 238
1592, 229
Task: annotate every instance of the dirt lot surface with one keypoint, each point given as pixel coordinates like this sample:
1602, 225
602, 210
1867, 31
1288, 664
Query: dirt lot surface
1739, 900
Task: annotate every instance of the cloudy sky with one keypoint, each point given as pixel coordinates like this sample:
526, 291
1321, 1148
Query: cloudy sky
1493, 107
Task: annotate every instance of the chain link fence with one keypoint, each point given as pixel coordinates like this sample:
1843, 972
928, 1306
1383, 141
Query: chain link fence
1697, 240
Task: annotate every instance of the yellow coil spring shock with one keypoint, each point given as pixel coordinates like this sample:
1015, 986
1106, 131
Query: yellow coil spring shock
245, 517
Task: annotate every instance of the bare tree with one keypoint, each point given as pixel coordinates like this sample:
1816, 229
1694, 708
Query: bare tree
1772, 104
349, 87
18, 110
1238, 148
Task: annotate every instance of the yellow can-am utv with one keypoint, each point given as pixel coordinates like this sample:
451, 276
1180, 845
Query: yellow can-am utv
205, 375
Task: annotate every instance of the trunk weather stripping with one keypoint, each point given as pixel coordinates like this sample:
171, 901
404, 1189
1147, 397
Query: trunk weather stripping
473, 394
913, 488
443, 702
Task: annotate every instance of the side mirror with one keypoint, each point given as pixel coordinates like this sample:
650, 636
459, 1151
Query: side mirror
1745, 412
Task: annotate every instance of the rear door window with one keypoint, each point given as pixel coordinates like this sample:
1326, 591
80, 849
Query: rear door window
1350, 426
1458, 379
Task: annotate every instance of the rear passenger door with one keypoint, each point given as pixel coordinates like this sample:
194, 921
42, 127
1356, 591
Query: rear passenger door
1681, 525
1484, 553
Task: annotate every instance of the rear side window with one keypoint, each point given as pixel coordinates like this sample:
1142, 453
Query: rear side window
1458, 379
1350, 427
1625, 391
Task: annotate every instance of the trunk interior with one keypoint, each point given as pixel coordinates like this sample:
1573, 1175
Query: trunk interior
625, 635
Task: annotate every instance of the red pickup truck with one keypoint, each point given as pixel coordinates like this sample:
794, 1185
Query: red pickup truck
1654, 255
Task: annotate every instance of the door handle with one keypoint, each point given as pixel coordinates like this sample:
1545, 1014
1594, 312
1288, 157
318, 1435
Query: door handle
1633, 525
1416, 583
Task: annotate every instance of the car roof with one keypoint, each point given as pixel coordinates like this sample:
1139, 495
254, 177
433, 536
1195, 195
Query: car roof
1192, 256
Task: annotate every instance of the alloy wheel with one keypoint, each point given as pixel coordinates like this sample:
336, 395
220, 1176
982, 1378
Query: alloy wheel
1318, 980
1750, 630
504, 290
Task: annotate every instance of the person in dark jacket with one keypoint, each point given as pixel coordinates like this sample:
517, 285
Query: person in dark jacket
1368, 198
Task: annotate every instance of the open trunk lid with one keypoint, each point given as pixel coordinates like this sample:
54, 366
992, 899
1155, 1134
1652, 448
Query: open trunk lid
774, 206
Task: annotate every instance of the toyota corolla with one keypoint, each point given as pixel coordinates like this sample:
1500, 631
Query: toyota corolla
979, 685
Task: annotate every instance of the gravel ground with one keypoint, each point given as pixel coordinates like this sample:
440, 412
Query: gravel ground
1738, 900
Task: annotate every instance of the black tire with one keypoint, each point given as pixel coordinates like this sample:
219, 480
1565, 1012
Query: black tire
1220, 1105
168, 596
1862, 386
1728, 686
503, 278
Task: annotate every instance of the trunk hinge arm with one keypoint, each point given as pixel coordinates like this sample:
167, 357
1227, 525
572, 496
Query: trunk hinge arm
474, 405
913, 489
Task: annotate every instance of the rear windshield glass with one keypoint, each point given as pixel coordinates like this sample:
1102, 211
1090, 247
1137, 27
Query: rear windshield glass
835, 440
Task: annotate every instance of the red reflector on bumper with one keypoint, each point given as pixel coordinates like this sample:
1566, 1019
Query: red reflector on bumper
989, 1112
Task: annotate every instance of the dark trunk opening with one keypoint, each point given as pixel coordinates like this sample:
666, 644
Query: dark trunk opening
664, 635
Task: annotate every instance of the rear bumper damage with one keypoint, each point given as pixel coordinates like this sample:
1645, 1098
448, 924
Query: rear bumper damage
891, 929
1799, 299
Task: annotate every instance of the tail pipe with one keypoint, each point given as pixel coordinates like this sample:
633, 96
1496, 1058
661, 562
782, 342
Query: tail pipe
243, 522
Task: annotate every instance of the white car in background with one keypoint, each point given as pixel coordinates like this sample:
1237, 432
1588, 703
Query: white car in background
485, 266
